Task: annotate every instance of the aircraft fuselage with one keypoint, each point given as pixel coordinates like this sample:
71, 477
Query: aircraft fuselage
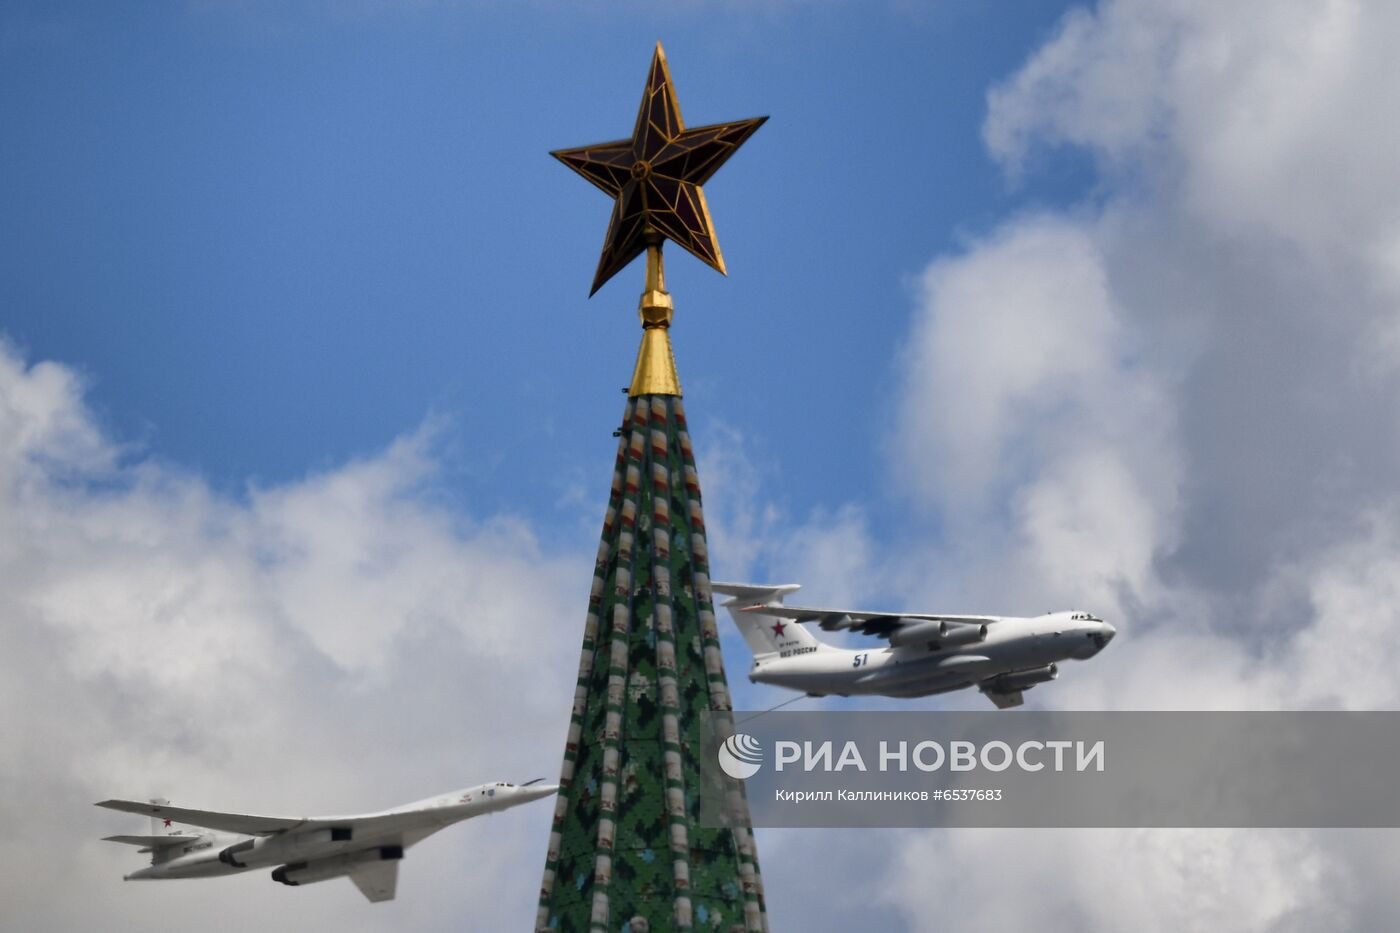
219, 853
1010, 645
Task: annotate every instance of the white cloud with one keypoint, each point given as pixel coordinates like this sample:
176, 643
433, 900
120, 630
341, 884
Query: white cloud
336, 644
1034, 426
1176, 403
1090, 530
1349, 655
1184, 393
1023, 347
755, 537
1267, 119
1154, 881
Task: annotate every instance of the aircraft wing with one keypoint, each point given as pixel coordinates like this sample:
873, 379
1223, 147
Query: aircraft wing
253, 825
868, 623
378, 881
210, 819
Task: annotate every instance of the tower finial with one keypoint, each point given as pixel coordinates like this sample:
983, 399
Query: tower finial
655, 372
654, 179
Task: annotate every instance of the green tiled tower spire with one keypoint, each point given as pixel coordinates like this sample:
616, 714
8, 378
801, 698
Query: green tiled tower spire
626, 840
627, 852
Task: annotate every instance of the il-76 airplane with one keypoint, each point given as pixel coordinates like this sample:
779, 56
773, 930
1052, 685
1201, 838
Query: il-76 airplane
927, 653
366, 848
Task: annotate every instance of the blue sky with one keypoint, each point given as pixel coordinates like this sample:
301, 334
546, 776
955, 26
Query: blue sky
276, 236
305, 415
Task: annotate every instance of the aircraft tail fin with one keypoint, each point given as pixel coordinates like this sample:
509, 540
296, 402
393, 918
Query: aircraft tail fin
160, 827
766, 634
165, 838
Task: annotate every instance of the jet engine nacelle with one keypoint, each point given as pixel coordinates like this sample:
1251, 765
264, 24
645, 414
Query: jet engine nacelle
1020, 680
944, 633
335, 866
269, 850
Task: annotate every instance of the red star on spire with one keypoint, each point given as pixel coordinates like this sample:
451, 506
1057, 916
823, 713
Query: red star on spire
778, 628
656, 175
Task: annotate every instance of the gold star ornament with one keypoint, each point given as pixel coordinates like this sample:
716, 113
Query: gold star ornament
655, 177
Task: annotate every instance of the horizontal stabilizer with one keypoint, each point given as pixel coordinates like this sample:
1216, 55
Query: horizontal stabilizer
754, 592
154, 842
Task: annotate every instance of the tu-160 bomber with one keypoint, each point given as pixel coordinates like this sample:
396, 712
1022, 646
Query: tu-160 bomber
365, 848
1002, 656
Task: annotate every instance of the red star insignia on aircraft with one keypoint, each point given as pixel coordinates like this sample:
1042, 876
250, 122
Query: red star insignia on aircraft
167, 822
778, 628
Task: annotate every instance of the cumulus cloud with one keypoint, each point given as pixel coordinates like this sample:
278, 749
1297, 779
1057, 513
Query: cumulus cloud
1156, 881
1176, 403
757, 536
1178, 394
1029, 407
337, 644
1250, 239
1266, 119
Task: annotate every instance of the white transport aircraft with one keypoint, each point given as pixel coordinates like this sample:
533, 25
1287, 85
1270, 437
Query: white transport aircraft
365, 848
1001, 655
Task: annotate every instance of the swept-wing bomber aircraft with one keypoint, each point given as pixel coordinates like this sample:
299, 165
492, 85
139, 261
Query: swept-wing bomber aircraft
365, 848
1002, 656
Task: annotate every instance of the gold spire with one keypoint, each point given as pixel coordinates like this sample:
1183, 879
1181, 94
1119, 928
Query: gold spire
655, 372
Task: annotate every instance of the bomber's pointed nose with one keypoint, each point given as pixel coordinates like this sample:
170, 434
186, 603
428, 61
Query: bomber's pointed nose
1105, 635
536, 791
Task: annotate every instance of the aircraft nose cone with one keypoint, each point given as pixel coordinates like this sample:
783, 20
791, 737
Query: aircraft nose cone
536, 791
1105, 635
